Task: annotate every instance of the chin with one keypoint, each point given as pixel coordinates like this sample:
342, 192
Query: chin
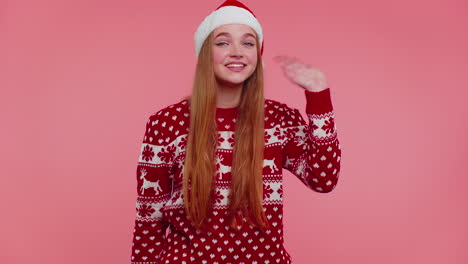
231, 82
236, 79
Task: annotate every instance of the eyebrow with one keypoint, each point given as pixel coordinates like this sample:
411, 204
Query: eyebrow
227, 34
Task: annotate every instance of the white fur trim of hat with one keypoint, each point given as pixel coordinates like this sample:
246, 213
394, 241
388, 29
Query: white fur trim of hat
230, 12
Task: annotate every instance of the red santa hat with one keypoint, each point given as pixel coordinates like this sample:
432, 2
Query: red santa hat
230, 12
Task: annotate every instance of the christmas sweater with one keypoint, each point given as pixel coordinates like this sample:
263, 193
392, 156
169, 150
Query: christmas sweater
163, 234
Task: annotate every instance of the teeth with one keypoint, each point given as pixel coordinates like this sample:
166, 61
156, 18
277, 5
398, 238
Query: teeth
235, 65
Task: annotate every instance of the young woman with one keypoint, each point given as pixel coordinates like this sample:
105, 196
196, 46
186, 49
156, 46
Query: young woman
210, 170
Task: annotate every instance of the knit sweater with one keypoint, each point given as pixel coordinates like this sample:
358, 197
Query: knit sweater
163, 234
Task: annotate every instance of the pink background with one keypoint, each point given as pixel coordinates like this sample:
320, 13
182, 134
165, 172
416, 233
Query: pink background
82, 77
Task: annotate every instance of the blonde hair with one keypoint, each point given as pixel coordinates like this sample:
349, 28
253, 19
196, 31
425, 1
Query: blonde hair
246, 197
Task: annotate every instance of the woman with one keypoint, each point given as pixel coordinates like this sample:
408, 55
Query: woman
214, 195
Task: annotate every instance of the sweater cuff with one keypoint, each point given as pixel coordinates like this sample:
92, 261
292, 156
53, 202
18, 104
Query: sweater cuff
318, 102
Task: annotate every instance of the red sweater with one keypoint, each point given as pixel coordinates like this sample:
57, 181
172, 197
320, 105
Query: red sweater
163, 234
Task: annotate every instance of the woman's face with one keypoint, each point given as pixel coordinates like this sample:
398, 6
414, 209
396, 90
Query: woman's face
234, 44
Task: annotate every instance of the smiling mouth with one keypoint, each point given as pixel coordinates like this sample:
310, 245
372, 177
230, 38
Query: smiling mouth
236, 68
236, 65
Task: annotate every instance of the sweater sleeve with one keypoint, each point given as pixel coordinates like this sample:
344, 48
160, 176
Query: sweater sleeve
153, 191
311, 151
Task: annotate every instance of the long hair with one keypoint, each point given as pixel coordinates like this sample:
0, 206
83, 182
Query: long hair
246, 196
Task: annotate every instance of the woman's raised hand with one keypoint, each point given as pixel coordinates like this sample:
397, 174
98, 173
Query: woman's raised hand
304, 75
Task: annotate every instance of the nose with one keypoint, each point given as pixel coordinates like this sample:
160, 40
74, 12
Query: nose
236, 50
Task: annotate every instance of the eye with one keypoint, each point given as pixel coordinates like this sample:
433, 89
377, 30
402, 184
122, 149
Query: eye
248, 43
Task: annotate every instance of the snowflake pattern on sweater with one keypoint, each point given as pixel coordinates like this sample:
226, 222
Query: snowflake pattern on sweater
163, 234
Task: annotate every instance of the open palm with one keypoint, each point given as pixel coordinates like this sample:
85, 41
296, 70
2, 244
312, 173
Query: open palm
304, 75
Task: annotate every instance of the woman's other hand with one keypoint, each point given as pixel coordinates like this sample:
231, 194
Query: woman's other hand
304, 75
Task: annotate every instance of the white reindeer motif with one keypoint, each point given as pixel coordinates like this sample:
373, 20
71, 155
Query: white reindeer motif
301, 169
222, 168
148, 184
302, 141
271, 164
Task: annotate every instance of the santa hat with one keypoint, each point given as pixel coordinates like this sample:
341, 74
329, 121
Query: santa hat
230, 12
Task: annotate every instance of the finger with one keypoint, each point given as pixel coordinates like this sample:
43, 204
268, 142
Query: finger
291, 66
277, 58
294, 60
288, 60
295, 66
280, 58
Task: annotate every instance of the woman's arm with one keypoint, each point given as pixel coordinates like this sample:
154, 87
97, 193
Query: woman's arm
311, 151
154, 190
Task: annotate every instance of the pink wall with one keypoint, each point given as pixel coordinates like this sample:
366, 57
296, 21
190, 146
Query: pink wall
82, 77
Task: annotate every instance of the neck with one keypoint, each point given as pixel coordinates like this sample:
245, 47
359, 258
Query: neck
228, 96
